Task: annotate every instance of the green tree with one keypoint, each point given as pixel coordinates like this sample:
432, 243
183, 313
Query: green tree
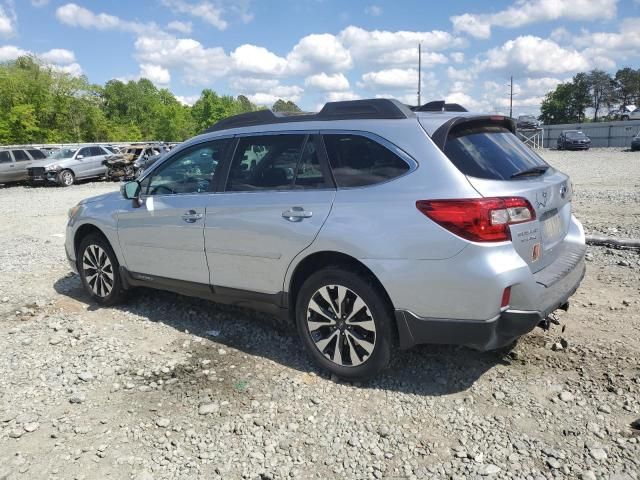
285, 106
627, 86
601, 87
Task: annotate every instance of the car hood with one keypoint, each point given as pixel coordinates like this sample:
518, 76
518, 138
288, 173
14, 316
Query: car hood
48, 161
101, 198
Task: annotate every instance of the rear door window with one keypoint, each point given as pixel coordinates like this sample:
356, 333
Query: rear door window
85, 152
96, 151
20, 155
5, 157
489, 152
358, 161
37, 154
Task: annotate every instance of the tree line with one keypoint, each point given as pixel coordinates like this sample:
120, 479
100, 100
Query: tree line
595, 91
39, 104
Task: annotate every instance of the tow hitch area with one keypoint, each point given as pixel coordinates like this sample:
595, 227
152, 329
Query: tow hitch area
550, 319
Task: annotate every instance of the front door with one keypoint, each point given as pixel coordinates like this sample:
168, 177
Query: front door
276, 198
7, 167
164, 236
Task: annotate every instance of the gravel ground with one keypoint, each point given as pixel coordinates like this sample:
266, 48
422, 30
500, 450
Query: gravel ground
174, 387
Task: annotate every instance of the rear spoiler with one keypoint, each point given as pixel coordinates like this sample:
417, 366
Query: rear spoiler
440, 136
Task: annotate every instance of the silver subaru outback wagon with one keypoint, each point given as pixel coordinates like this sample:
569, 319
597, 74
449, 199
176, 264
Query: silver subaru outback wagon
369, 225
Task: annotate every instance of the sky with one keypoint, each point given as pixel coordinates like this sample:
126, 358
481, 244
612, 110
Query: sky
314, 51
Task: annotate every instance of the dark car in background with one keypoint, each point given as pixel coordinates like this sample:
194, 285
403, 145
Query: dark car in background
573, 140
527, 122
635, 143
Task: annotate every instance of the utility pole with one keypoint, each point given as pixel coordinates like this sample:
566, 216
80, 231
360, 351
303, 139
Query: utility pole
419, 71
511, 97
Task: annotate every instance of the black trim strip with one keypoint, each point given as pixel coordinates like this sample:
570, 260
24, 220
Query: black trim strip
440, 136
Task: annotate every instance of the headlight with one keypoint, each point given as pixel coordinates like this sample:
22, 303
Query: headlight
73, 211
50, 168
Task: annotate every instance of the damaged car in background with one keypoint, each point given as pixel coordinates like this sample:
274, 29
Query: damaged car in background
67, 165
124, 165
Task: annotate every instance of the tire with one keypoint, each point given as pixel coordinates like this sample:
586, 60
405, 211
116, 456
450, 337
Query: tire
104, 283
367, 339
66, 178
625, 118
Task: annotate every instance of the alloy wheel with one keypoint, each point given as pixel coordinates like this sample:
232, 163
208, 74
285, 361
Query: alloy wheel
341, 325
67, 178
98, 270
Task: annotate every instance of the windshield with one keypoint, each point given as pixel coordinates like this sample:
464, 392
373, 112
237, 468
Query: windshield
490, 152
575, 134
527, 117
63, 153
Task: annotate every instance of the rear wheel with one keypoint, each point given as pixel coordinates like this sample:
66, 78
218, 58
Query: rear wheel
99, 270
625, 118
345, 323
66, 178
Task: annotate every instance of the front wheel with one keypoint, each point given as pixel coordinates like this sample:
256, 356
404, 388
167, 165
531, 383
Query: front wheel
345, 323
100, 271
66, 178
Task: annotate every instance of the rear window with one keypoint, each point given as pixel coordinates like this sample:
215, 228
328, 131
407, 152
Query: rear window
37, 154
489, 152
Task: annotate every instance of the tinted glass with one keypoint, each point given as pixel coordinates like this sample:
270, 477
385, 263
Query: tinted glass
85, 152
37, 154
490, 152
575, 135
95, 151
357, 161
20, 155
309, 171
63, 153
190, 171
5, 157
265, 162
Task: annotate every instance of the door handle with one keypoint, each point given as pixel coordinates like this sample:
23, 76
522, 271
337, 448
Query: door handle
296, 214
191, 216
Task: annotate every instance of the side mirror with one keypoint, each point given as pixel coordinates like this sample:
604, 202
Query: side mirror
79, 157
130, 190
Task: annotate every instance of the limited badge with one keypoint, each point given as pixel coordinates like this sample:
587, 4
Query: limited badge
535, 254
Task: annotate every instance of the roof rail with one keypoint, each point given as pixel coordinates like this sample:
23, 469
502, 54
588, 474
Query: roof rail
439, 106
376, 108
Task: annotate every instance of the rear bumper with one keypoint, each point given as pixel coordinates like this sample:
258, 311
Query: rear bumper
496, 332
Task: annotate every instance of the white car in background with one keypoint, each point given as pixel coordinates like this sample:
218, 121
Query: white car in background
635, 115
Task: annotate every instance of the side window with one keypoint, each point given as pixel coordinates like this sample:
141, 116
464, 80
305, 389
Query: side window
190, 171
95, 151
37, 154
309, 172
358, 161
85, 152
5, 157
266, 162
20, 155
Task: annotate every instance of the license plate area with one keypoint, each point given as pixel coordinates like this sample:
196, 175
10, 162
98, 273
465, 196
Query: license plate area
552, 229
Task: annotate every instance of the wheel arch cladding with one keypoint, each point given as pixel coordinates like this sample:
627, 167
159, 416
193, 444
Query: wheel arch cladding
85, 230
319, 260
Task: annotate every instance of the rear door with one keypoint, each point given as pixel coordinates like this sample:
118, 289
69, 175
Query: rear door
22, 162
276, 197
82, 165
497, 164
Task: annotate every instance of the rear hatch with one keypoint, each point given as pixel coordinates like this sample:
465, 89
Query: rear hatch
497, 164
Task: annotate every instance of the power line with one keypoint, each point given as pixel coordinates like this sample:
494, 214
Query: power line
419, 70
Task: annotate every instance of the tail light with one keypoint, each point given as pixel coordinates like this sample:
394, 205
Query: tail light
506, 297
479, 219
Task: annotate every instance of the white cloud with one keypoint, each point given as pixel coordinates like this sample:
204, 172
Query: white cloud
199, 65
341, 96
205, 10
58, 56
280, 92
606, 47
10, 52
457, 57
468, 102
366, 45
187, 99
257, 61
331, 83
73, 69
157, 74
251, 84
7, 22
409, 56
524, 12
180, 27
460, 74
77, 16
373, 10
319, 52
391, 78
533, 55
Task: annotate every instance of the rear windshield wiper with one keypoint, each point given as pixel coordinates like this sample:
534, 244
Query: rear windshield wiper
539, 170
